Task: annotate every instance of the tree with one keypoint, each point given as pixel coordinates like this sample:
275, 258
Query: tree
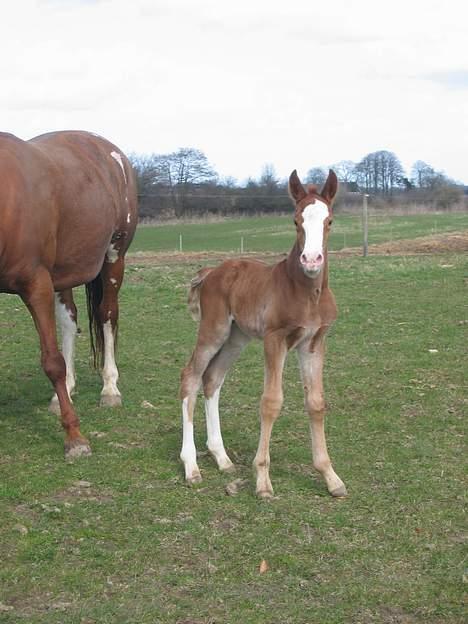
380, 172
345, 170
268, 178
421, 174
316, 175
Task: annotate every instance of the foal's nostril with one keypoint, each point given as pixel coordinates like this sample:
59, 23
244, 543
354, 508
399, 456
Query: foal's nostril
312, 259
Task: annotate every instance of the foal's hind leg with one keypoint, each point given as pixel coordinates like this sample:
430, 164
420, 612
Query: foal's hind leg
112, 276
39, 298
66, 315
213, 380
211, 337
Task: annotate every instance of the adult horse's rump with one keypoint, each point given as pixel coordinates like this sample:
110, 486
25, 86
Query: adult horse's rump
68, 213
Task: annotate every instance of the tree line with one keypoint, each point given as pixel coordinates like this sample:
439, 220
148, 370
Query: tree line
183, 184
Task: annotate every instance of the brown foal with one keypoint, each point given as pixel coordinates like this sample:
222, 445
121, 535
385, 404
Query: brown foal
287, 305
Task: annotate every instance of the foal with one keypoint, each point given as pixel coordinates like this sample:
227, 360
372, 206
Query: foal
287, 305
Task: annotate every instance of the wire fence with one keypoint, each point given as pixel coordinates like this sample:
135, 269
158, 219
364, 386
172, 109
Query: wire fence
276, 234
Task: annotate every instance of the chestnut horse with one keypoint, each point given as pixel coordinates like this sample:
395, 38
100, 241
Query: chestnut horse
287, 305
68, 212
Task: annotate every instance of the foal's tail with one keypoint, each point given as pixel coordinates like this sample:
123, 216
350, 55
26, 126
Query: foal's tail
96, 332
194, 293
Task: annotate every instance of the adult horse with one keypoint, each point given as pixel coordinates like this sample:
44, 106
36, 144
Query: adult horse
68, 213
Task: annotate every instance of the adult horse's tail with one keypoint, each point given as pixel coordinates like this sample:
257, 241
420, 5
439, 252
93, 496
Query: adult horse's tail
96, 332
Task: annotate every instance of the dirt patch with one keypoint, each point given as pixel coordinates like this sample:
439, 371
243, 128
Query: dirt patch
454, 242
192, 257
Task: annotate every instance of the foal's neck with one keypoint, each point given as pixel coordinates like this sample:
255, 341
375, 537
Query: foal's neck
297, 275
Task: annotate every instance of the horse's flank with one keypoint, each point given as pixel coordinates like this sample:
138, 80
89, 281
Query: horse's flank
63, 199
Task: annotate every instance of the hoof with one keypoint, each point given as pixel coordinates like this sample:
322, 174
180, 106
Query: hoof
340, 492
265, 495
228, 468
111, 400
78, 447
194, 479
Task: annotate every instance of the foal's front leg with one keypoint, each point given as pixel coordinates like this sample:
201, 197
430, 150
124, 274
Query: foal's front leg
270, 405
311, 365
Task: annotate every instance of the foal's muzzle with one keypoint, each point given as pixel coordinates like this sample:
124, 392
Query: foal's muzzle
312, 263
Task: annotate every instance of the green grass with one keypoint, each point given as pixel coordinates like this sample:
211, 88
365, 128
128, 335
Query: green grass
277, 233
138, 546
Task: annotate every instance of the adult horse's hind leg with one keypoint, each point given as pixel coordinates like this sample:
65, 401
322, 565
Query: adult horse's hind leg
112, 276
66, 315
39, 298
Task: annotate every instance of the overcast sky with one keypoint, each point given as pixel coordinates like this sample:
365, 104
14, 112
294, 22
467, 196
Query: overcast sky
295, 83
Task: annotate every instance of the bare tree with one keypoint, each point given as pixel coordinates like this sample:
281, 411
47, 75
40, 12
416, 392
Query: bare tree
422, 174
345, 170
268, 178
380, 172
316, 175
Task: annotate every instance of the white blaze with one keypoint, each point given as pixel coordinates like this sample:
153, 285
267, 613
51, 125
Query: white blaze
314, 215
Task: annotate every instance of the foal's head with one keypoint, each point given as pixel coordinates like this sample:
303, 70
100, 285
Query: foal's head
313, 218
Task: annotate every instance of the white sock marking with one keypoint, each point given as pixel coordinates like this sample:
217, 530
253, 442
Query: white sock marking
110, 374
68, 329
188, 453
213, 427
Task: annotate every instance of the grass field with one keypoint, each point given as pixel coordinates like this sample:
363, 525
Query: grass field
118, 538
277, 233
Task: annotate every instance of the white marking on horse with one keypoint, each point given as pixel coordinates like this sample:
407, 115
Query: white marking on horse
110, 374
314, 216
215, 440
128, 218
113, 281
68, 328
116, 156
112, 253
188, 453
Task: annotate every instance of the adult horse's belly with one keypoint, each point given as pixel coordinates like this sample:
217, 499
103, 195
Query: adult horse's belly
78, 261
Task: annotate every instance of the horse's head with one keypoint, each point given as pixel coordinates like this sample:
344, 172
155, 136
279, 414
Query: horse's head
313, 219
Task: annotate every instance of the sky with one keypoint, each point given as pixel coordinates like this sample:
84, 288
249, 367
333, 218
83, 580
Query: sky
295, 84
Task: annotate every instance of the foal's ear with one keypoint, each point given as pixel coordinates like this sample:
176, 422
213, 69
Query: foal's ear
330, 187
296, 190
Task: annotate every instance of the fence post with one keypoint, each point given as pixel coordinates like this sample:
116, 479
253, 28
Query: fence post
365, 245
242, 245
180, 242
